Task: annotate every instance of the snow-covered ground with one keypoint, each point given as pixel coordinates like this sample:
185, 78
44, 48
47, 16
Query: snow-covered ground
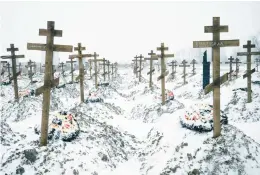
130, 132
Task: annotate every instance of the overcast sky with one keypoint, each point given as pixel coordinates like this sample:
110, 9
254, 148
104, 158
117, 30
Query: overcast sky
120, 30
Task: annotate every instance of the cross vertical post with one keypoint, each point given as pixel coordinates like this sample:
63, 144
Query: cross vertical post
49, 48
184, 65
153, 56
237, 66
215, 44
135, 65
248, 53
140, 66
13, 57
164, 73
95, 60
108, 65
193, 62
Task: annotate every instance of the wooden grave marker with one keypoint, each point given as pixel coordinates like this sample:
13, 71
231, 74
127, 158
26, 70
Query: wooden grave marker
62, 65
80, 56
135, 66
153, 56
3, 63
95, 60
230, 66
193, 62
237, 66
8, 70
71, 68
248, 53
184, 65
173, 64
164, 73
49, 48
215, 44
108, 71
30, 73
13, 57
140, 66
104, 68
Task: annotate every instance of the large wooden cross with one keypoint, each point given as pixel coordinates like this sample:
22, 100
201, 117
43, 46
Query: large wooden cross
95, 60
230, 66
215, 44
193, 62
257, 61
13, 57
153, 56
237, 66
140, 66
184, 65
164, 73
62, 64
248, 53
80, 56
71, 68
49, 48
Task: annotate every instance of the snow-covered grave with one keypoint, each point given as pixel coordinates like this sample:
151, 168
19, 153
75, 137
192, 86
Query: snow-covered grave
130, 132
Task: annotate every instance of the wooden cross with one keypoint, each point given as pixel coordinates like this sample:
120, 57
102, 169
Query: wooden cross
173, 64
49, 48
215, 44
3, 63
135, 66
230, 66
13, 57
95, 60
30, 74
108, 72
112, 66
140, 66
80, 56
104, 68
62, 65
153, 56
248, 53
116, 64
164, 73
184, 65
237, 66
8, 69
71, 68
193, 62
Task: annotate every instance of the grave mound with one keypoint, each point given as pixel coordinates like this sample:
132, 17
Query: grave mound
199, 117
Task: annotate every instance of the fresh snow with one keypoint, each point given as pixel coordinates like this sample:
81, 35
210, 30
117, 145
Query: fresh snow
130, 132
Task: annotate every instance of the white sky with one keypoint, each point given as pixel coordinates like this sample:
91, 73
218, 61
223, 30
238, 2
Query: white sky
120, 30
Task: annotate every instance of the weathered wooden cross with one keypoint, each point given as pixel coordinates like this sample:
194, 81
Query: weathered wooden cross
71, 68
19, 67
164, 73
173, 64
248, 53
153, 56
30, 73
108, 71
230, 66
13, 57
193, 62
215, 44
95, 60
237, 66
184, 65
62, 64
135, 66
140, 66
8, 69
49, 48
80, 56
